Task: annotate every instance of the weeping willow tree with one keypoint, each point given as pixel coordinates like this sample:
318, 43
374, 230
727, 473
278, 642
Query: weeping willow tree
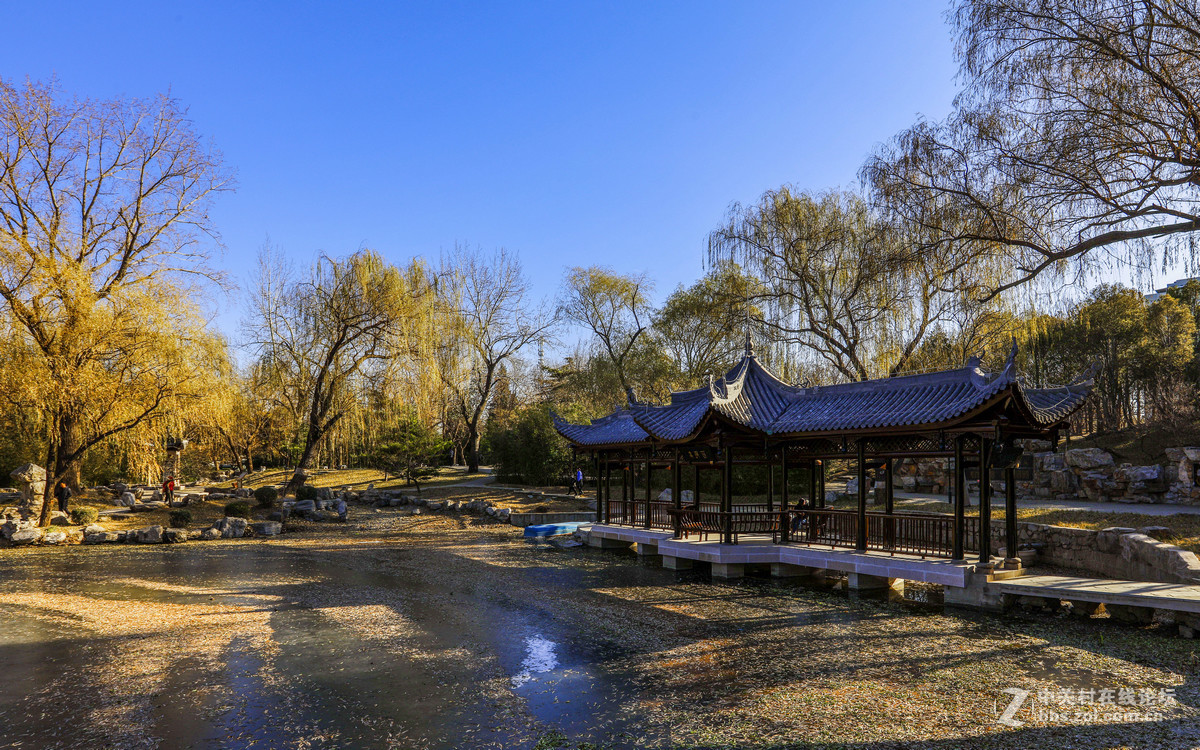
326, 330
103, 221
843, 285
1075, 141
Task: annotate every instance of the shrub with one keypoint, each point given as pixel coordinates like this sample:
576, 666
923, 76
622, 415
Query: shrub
266, 497
179, 518
84, 515
237, 509
528, 449
307, 492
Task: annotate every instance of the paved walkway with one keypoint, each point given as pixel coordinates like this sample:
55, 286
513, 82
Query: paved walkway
1176, 597
1149, 509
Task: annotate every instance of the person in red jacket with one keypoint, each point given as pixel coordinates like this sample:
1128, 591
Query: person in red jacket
168, 490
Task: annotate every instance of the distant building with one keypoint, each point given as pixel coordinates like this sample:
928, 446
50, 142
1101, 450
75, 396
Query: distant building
1160, 293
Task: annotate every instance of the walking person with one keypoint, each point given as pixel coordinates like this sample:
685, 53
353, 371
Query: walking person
168, 490
577, 485
63, 494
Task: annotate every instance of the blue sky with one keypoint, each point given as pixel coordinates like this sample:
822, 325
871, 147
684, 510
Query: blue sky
572, 132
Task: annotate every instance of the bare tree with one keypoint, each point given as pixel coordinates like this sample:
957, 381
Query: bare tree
103, 215
488, 298
836, 279
615, 308
1077, 134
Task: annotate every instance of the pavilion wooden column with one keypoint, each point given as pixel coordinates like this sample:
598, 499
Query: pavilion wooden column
770, 484
599, 488
696, 486
889, 501
784, 494
607, 489
627, 491
649, 473
960, 501
812, 482
727, 497
985, 501
1010, 513
595, 463
860, 543
820, 498
677, 493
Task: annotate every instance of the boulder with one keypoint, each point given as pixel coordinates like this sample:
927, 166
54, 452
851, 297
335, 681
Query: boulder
126, 499
58, 518
303, 506
150, 535
266, 528
54, 537
93, 528
101, 537
210, 534
26, 536
28, 473
10, 527
1089, 458
665, 496
1138, 473
231, 528
174, 536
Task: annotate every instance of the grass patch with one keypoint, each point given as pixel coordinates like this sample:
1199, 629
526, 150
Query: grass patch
356, 479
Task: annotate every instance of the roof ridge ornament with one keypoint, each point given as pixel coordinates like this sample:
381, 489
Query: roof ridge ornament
749, 342
630, 397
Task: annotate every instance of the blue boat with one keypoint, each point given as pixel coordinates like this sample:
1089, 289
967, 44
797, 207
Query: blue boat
552, 529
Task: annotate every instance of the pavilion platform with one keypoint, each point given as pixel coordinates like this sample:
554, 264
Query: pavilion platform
869, 569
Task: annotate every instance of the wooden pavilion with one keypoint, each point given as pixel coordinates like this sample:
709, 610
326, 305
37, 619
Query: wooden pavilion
751, 417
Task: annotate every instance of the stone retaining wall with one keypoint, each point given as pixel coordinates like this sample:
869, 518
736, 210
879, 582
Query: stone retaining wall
1118, 552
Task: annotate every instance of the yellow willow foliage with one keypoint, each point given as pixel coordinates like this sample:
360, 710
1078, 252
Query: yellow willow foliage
132, 367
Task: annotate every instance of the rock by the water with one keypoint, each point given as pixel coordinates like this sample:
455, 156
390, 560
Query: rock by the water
26, 536
93, 528
266, 528
101, 537
175, 536
150, 535
54, 537
231, 528
303, 506
210, 534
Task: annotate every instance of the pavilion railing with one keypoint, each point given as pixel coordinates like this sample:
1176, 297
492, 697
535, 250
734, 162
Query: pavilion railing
923, 534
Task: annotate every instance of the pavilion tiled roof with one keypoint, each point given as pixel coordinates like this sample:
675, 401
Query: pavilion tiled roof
616, 428
752, 396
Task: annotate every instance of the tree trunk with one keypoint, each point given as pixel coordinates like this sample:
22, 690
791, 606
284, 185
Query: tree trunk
68, 441
472, 449
48, 490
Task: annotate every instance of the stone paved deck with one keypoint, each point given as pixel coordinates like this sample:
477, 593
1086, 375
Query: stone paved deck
1170, 596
